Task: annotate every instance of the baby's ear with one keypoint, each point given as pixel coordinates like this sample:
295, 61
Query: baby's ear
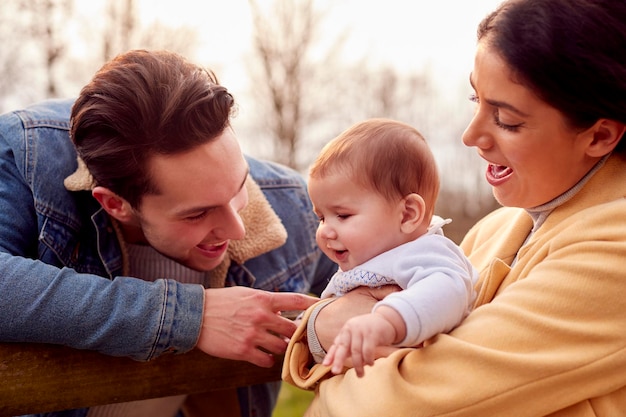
414, 210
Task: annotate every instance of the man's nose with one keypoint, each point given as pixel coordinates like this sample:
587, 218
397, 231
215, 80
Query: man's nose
231, 225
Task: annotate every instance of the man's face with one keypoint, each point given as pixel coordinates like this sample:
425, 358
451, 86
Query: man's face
196, 212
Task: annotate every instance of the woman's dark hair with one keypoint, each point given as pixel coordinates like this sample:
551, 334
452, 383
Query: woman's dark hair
571, 53
140, 104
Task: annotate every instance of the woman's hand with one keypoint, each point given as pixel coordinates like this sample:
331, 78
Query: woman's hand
334, 315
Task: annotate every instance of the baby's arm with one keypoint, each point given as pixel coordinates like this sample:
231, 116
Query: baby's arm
365, 338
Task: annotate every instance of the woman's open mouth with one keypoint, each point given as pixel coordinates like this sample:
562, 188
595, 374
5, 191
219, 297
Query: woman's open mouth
497, 174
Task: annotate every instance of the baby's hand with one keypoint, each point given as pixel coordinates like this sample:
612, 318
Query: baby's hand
358, 341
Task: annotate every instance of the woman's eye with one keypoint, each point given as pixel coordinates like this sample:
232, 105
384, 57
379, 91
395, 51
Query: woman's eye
508, 127
496, 117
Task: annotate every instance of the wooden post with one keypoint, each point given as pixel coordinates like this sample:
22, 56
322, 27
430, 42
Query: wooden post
37, 378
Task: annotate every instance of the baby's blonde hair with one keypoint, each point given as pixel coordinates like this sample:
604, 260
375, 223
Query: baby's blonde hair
390, 157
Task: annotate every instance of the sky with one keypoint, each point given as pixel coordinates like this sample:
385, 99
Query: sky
410, 35
434, 37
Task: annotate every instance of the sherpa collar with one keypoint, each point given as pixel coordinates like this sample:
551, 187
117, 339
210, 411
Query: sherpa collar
264, 229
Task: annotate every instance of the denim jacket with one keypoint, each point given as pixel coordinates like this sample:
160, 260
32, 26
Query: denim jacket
60, 258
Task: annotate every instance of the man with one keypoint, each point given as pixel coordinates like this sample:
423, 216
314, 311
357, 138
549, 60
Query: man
152, 185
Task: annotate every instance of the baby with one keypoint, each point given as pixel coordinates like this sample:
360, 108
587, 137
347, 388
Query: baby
374, 189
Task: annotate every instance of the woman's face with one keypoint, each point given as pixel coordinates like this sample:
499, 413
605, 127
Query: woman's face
533, 156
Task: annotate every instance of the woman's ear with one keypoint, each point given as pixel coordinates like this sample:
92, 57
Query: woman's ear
606, 134
413, 212
116, 206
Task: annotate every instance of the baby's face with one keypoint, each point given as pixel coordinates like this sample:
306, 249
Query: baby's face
356, 223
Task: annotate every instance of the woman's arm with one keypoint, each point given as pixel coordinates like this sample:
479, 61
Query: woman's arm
551, 339
334, 315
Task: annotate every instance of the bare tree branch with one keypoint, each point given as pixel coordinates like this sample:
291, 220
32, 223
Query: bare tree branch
283, 36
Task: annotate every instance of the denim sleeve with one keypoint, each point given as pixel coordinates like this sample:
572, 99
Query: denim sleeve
41, 302
122, 317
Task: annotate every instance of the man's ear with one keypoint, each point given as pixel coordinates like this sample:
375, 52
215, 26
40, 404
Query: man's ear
116, 206
606, 134
413, 212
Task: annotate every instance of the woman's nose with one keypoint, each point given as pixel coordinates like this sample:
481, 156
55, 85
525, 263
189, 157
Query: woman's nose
475, 134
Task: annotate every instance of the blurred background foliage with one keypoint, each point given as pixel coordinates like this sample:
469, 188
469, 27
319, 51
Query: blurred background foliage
299, 93
292, 401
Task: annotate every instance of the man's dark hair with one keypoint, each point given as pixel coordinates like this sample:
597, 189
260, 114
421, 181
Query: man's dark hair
144, 103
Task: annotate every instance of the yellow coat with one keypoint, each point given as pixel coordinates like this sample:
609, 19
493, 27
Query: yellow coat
547, 337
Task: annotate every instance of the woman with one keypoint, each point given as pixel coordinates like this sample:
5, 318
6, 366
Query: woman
547, 334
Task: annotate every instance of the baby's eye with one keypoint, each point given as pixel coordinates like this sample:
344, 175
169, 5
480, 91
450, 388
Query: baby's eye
474, 98
343, 216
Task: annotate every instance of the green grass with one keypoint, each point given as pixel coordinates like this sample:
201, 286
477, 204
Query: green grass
292, 401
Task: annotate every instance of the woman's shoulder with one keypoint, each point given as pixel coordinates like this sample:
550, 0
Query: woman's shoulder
498, 220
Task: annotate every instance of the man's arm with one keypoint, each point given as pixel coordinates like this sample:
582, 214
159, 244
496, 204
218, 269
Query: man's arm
41, 230
124, 317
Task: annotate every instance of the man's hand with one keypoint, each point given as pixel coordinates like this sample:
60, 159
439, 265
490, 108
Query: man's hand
334, 315
245, 324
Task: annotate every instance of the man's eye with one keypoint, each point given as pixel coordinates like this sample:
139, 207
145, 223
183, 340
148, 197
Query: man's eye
196, 217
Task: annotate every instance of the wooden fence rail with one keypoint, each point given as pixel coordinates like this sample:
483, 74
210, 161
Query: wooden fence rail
37, 378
